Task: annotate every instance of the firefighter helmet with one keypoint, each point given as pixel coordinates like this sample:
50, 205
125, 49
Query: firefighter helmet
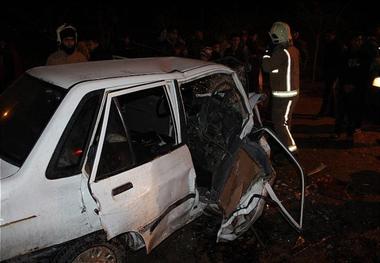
280, 33
66, 30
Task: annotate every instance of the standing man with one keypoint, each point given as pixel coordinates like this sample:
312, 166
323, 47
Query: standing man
332, 63
67, 41
282, 64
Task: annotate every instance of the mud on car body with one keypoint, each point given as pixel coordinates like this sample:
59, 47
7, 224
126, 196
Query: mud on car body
100, 156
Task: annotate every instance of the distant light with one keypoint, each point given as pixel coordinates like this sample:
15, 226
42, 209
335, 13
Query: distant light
5, 114
376, 82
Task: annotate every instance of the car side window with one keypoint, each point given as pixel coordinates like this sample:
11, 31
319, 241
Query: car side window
116, 154
68, 157
140, 128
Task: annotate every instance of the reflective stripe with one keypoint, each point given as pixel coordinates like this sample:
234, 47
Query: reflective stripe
288, 71
275, 71
285, 94
266, 56
292, 148
286, 123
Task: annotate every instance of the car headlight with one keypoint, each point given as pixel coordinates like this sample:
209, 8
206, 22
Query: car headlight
376, 82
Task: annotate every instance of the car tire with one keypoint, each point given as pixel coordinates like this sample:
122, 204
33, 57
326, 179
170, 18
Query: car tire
92, 250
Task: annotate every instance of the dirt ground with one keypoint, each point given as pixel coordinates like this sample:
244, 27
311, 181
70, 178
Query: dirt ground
342, 204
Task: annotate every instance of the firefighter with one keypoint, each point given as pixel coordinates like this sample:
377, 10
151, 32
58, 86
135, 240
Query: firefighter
281, 61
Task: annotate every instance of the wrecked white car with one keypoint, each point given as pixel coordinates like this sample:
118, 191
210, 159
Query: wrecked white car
100, 156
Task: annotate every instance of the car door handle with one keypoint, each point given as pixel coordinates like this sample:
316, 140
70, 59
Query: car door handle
122, 188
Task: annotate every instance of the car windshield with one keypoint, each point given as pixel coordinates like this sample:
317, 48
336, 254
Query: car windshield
25, 109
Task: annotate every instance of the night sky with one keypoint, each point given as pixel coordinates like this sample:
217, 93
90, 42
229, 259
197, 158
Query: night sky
357, 14
31, 26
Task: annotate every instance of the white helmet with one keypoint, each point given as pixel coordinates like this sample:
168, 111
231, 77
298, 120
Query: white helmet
280, 33
66, 30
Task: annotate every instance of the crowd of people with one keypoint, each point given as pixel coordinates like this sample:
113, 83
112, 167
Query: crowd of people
244, 48
348, 70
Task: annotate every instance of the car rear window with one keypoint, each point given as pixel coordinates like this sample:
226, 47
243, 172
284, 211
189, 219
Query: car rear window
25, 109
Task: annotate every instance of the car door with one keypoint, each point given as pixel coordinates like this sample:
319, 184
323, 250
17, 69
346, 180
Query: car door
218, 119
141, 175
246, 177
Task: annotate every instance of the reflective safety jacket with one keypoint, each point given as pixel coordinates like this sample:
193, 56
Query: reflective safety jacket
283, 68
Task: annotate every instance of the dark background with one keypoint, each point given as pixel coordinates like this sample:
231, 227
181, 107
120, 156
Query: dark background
30, 26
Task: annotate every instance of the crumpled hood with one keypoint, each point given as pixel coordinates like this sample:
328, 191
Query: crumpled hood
7, 169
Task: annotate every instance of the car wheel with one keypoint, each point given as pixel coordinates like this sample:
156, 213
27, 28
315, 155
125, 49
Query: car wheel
92, 250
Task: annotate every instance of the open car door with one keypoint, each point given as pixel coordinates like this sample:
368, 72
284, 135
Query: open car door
244, 182
141, 176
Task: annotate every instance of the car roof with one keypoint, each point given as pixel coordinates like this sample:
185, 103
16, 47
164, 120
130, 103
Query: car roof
67, 75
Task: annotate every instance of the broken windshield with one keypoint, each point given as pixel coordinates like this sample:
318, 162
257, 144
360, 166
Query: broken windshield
25, 109
215, 116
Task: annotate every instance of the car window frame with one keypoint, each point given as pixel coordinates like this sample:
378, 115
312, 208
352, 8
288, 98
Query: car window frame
52, 171
167, 86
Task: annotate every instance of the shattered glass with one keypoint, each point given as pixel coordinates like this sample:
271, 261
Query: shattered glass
215, 115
